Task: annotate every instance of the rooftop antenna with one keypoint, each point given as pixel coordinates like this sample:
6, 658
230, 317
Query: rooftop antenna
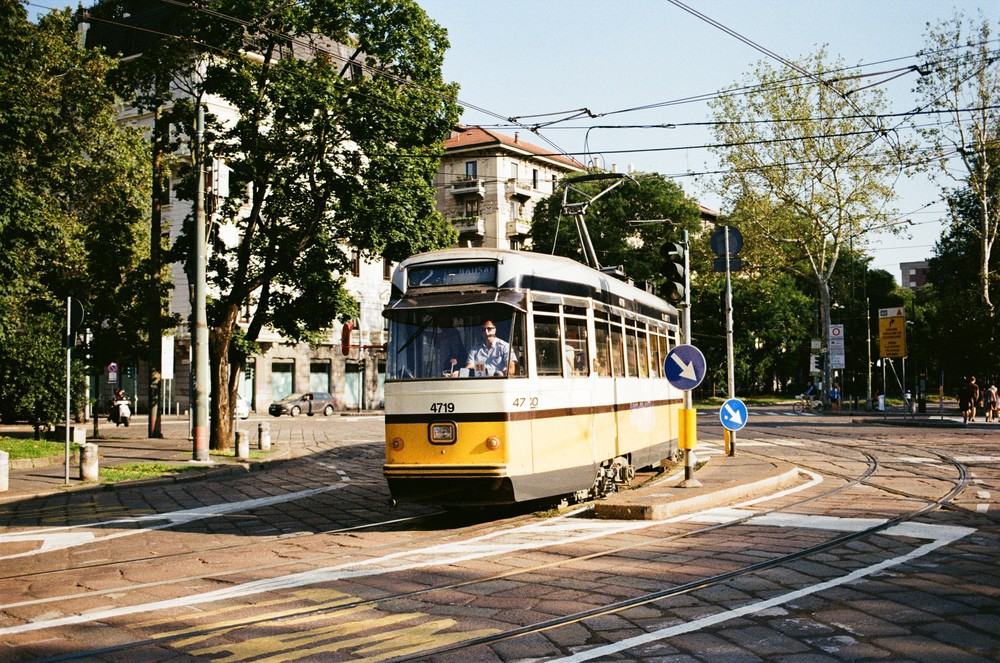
578, 209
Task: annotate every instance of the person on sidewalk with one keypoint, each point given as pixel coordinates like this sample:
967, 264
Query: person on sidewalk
991, 403
968, 396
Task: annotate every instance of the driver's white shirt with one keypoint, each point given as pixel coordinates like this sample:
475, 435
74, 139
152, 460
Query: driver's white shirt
495, 357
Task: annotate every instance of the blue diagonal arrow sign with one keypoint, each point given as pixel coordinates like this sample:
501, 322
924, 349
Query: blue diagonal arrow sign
733, 414
684, 366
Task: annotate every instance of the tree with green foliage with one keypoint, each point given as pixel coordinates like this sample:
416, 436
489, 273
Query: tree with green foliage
72, 216
960, 76
339, 114
960, 326
809, 168
627, 226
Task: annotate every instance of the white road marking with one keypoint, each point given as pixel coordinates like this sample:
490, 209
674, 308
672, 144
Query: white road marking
58, 538
712, 620
553, 532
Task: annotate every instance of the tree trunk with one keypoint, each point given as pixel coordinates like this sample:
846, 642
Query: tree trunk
219, 339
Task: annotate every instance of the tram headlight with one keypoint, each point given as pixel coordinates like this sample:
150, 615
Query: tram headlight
493, 443
397, 444
442, 432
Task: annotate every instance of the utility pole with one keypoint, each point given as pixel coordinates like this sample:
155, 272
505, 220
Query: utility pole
199, 315
155, 265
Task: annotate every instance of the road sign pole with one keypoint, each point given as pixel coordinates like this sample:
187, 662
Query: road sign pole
687, 415
684, 368
69, 377
730, 360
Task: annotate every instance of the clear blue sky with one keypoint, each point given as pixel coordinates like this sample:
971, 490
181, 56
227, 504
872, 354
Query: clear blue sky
524, 58
521, 58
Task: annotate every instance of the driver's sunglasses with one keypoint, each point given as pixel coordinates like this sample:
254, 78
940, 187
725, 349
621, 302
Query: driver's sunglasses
489, 328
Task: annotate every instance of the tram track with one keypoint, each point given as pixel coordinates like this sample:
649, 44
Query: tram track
872, 466
960, 483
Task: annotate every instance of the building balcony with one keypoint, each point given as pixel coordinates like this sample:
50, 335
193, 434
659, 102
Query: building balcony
469, 188
469, 225
519, 190
518, 228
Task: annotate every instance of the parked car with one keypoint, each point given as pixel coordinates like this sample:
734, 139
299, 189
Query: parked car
312, 402
242, 408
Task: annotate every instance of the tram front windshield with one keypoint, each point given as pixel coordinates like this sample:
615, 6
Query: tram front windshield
473, 341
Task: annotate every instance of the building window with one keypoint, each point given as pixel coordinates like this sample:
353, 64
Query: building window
555, 183
356, 263
282, 379
471, 208
471, 171
513, 172
386, 269
319, 376
534, 178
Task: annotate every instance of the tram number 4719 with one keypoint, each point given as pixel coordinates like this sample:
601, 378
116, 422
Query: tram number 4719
442, 407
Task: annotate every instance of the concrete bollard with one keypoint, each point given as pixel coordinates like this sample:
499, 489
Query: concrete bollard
264, 436
242, 445
89, 469
4, 471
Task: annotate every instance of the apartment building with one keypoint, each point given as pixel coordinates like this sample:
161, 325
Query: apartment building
489, 183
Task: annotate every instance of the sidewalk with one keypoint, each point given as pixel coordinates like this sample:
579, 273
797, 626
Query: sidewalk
120, 445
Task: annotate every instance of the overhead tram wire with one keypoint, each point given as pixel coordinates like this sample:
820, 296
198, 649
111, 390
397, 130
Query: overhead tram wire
576, 113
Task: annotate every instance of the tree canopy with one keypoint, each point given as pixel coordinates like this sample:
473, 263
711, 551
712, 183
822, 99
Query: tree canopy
809, 168
72, 209
960, 77
328, 120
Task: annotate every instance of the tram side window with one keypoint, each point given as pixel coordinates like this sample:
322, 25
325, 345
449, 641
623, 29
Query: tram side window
575, 350
548, 353
518, 346
657, 344
643, 354
617, 354
602, 340
631, 352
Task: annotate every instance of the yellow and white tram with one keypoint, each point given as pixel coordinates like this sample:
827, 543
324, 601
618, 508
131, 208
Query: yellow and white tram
579, 402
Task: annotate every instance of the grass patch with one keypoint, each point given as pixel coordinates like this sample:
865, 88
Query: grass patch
19, 447
254, 455
133, 471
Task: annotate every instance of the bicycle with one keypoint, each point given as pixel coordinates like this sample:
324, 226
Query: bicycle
807, 405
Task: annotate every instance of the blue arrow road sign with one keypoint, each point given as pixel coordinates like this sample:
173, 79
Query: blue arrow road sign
684, 367
733, 414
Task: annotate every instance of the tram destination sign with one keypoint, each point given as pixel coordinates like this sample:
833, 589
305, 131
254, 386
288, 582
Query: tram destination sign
473, 273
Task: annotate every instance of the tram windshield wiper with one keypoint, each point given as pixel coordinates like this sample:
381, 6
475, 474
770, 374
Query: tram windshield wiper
413, 337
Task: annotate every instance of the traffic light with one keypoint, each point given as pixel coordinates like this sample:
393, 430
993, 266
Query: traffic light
673, 271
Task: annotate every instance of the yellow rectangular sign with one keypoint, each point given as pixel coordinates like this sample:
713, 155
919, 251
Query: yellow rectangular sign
892, 337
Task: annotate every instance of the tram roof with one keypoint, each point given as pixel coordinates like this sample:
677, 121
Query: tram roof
525, 270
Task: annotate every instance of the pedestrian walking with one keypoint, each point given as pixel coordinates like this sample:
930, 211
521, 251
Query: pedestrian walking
835, 396
968, 398
991, 403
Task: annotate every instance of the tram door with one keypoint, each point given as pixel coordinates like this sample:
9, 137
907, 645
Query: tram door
563, 437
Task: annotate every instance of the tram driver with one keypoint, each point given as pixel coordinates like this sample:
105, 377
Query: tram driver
491, 355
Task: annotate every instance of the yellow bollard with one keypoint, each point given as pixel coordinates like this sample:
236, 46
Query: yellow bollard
727, 440
687, 429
